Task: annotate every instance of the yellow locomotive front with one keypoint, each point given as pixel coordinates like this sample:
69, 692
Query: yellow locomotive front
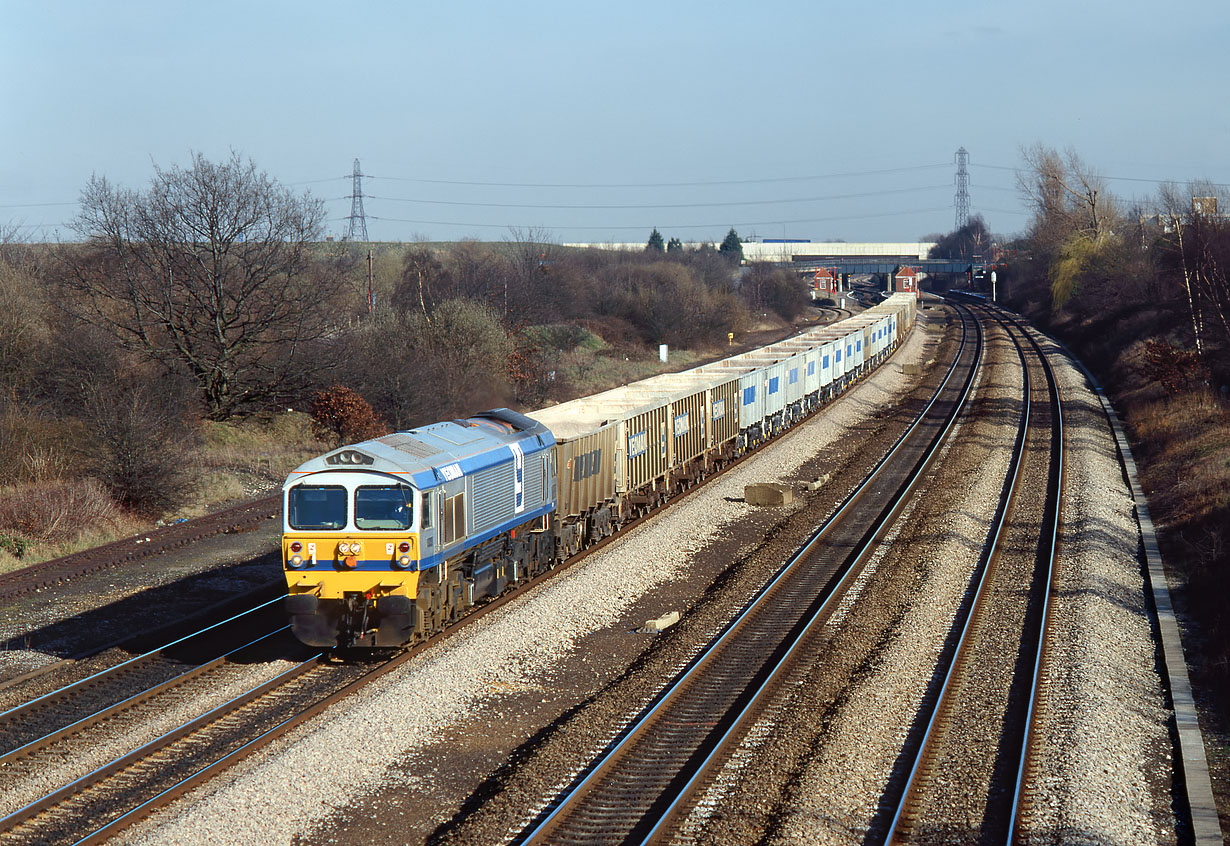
350, 552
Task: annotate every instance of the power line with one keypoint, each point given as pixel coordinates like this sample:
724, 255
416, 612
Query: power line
764, 181
1019, 170
658, 205
641, 227
315, 181
32, 205
984, 187
41, 225
1018, 212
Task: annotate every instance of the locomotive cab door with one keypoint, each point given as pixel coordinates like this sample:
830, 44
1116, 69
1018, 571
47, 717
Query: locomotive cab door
428, 521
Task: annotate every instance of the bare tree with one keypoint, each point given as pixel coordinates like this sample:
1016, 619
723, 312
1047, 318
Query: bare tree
971, 240
1199, 239
23, 313
1075, 222
1172, 212
208, 271
528, 252
414, 371
1067, 196
423, 276
139, 443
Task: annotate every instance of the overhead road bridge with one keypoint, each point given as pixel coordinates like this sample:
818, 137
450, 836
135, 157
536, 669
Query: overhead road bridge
841, 257
850, 265
908, 252
854, 258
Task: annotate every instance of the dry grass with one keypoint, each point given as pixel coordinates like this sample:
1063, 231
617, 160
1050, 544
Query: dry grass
1184, 446
1185, 441
239, 460
41, 520
586, 371
60, 514
36, 448
56, 510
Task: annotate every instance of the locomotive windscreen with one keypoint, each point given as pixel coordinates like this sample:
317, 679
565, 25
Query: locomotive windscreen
384, 507
316, 507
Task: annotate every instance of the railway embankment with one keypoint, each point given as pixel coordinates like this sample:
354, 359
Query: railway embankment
1178, 427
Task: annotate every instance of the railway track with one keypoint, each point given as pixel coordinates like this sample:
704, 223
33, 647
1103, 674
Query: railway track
100, 696
69, 727
129, 787
970, 761
642, 786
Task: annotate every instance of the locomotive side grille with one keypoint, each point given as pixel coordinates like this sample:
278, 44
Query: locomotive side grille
533, 480
492, 496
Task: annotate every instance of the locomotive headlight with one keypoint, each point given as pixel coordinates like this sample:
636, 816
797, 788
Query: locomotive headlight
295, 561
345, 548
403, 562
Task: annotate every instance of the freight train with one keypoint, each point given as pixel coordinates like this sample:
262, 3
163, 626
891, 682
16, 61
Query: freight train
387, 541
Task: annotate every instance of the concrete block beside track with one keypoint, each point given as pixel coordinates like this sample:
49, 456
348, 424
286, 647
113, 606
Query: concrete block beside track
769, 494
662, 623
816, 484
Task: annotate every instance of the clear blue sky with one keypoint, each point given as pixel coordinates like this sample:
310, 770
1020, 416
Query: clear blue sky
850, 111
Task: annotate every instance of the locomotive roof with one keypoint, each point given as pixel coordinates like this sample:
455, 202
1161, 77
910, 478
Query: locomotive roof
430, 455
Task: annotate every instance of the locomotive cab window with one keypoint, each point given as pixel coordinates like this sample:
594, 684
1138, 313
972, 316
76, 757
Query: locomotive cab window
316, 507
387, 507
425, 511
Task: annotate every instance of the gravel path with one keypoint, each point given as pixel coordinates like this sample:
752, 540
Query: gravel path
297, 786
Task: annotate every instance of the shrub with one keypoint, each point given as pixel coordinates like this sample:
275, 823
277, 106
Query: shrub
416, 369
52, 512
34, 448
1173, 368
343, 416
564, 337
14, 545
23, 328
667, 303
767, 287
138, 445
